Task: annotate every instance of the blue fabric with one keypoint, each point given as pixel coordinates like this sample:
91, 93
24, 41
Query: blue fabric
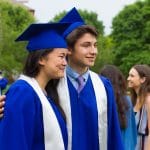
44, 36
22, 125
74, 18
85, 118
3, 83
72, 27
46, 40
114, 134
129, 134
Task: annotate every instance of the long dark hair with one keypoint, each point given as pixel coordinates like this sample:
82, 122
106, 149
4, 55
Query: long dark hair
119, 84
144, 72
32, 68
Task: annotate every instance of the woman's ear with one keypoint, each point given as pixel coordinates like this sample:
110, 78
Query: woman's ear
69, 51
143, 79
41, 61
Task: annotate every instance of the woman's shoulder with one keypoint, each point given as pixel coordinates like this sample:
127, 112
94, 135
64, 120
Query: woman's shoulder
20, 85
147, 100
20, 89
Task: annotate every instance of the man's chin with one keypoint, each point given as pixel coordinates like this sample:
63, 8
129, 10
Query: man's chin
60, 76
91, 64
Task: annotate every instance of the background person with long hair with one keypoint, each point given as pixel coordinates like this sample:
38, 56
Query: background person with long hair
139, 84
124, 105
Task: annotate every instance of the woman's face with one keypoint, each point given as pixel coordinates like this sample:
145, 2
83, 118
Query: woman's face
134, 79
53, 65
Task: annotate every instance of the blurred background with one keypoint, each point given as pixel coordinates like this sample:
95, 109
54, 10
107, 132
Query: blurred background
124, 30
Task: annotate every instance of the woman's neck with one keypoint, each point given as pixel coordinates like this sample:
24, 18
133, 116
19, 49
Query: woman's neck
137, 105
42, 81
137, 90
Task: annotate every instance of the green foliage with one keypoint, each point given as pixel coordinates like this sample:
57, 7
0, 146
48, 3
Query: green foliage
13, 20
105, 53
131, 35
132, 59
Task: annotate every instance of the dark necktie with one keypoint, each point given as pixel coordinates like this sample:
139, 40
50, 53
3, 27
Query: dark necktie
80, 80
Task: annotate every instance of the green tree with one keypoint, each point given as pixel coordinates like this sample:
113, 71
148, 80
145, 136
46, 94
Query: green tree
131, 35
13, 20
106, 55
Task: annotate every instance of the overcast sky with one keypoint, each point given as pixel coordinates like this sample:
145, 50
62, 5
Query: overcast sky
106, 9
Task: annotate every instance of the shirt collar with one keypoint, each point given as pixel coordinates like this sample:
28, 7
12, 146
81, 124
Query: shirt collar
74, 75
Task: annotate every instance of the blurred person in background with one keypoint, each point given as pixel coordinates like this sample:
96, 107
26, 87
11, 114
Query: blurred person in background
139, 84
124, 105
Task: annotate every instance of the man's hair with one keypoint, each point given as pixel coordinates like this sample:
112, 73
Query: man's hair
78, 33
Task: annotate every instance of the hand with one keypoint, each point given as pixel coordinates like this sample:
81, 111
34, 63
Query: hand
2, 103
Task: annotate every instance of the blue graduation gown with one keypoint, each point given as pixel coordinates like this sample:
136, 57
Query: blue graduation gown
85, 118
114, 134
22, 125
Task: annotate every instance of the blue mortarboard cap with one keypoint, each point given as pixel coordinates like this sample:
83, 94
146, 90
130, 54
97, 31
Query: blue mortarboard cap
74, 18
44, 36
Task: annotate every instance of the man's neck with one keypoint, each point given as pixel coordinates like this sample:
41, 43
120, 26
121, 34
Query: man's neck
79, 69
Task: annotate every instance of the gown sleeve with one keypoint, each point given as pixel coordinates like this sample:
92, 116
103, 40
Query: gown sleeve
16, 127
114, 132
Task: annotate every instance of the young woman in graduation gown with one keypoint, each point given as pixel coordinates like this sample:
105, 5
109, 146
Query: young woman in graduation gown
33, 118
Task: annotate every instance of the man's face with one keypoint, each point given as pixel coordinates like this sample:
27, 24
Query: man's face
84, 53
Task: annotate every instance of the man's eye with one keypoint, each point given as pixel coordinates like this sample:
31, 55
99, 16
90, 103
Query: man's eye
85, 45
95, 45
62, 56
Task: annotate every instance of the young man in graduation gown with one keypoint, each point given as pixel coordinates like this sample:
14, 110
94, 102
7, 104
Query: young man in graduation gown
92, 121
